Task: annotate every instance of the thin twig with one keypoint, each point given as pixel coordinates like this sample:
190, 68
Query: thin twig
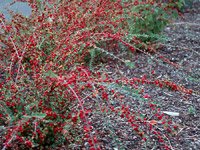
4, 148
166, 138
80, 103
179, 131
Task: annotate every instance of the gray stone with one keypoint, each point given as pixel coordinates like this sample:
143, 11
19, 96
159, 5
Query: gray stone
18, 7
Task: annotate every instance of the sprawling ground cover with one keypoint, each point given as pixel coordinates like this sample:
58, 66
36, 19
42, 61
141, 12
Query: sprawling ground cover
58, 84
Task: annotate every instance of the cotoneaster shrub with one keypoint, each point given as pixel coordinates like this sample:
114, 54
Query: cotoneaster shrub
148, 20
48, 95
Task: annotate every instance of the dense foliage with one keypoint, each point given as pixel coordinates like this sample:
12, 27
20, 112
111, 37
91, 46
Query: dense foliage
48, 93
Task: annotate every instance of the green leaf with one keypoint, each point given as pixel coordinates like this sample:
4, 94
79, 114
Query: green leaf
192, 110
36, 115
129, 64
50, 73
92, 56
27, 108
39, 115
2, 128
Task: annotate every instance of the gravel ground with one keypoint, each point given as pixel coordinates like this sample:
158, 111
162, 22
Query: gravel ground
182, 48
